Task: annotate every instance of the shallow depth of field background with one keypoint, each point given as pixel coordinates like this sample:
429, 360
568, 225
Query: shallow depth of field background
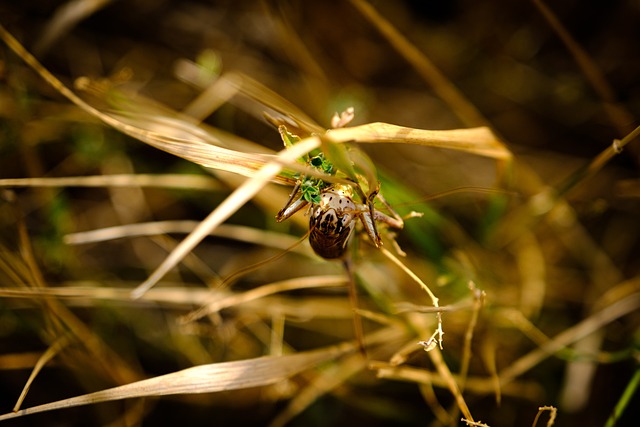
323, 56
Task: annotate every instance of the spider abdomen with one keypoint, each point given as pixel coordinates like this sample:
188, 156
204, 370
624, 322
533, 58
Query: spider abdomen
332, 222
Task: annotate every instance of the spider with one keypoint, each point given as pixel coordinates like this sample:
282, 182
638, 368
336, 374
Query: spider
333, 217
333, 211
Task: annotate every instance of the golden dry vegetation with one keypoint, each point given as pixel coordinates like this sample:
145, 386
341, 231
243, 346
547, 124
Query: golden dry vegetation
138, 123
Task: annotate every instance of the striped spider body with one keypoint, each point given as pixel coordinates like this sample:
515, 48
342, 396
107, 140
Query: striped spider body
333, 218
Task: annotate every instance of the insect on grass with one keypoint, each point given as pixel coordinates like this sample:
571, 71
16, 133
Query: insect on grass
335, 208
333, 212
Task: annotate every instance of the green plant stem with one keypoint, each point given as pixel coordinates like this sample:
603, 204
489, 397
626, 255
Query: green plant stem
624, 399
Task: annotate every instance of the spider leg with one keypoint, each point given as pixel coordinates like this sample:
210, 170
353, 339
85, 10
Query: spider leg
369, 223
395, 220
369, 215
392, 221
294, 204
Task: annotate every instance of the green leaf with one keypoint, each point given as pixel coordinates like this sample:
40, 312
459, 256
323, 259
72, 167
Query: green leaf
338, 155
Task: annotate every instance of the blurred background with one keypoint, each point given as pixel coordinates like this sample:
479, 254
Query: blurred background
556, 103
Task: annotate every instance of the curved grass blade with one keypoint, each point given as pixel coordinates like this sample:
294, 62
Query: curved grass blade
65, 17
51, 352
179, 181
261, 95
480, 141
209, 378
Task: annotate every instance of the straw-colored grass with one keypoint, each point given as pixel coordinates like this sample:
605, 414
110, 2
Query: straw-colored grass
154, 276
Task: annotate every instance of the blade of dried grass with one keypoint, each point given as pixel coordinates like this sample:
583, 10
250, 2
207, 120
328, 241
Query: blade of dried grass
474, 384
480, 141
49, 354
488, 353
15, 269
15, 361
212, 98
218, 304
410, 273
478, 303
436, 337
231, 204
192, 182
239, 233
465, 357
188, 141
582, 174
402, 354
65, 18
209, 378
450, 381
264, 96
177, 296
98, 291
553, 412
431, 399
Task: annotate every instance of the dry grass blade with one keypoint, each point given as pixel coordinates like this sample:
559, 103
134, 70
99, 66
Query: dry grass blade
175, 296
478, 302
51, 352
188, 141
263, 291
452, 385
202, 379
66, 17
477, 384
600, 160
436, 337
265, 97
97, 291
239, 233
192, 182
480, 141
212, 97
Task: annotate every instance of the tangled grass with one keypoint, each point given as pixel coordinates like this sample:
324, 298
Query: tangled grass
115, 291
